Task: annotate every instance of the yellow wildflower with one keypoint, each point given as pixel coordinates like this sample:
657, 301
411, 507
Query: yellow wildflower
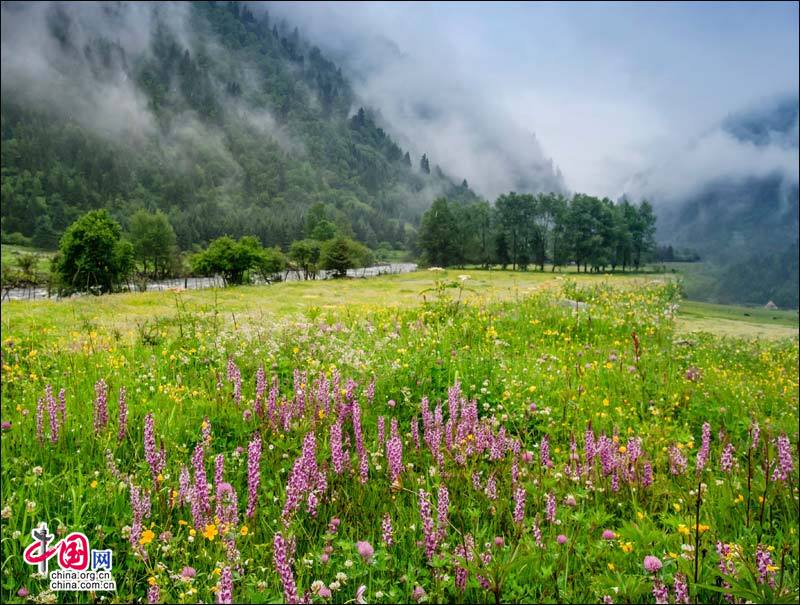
147, 537
210, 532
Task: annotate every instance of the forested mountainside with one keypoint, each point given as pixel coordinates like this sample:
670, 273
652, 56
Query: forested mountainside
227, 121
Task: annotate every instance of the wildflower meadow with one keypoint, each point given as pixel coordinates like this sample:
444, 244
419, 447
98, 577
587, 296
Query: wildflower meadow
564, 444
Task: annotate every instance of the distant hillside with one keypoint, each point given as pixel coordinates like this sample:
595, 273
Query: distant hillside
746, 227
227, 121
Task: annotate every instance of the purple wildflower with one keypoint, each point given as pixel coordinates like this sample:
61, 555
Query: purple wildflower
100, 405
677, 461
681, 589
365, 550
225, 586
39, 420
386, 530
550, 508
154, 594
443, 505
519, 505
219, 468
394, 457
427, 524
544, 452
766, 568
702, 454
281, 558
62, 405
261, 388
184, 486
52, 410
253, 474
140, 505
154, 457
337, 454
660, 592
652, 564
381, 430
726, 461
785, 463
235, 376
537, 532
491, 488
200, 493
123, 414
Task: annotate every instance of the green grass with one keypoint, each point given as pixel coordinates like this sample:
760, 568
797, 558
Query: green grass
737, 321
622, 368
10, 254
123, 312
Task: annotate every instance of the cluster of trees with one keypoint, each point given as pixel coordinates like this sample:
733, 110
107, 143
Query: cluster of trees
523, 229
667, 254
95, 255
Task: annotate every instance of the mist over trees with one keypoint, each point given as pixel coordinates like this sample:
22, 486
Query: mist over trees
235, 125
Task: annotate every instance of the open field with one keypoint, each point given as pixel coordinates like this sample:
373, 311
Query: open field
123, 312
10, 254
412, 437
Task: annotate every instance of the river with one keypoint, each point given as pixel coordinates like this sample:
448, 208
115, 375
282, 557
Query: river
197, 283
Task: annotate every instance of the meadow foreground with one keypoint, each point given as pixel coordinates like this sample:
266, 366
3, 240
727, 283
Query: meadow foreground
423, 438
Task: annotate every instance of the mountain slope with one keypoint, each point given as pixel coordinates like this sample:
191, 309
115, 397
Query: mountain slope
745, 221
228, 122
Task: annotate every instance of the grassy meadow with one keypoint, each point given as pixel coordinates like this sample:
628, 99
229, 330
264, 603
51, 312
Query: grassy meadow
411, 438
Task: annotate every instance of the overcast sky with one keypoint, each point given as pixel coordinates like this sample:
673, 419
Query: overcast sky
609, 89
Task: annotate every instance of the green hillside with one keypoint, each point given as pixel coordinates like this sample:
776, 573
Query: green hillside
244, 128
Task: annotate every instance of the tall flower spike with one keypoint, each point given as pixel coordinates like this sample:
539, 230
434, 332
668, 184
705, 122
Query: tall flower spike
427, 524
62, 405
253, 474
281, 558
225, 586
219, 469
702, 454
39, 420
544, 452
154, 457
386, 530
52, 410
519, 505
100, 405
123, 414
443, 505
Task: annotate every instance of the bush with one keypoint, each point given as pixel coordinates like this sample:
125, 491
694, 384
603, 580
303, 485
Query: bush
233, 259
92, 255
341, 254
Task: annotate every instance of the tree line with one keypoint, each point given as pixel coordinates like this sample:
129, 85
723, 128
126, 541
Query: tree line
96, 255
523, 230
